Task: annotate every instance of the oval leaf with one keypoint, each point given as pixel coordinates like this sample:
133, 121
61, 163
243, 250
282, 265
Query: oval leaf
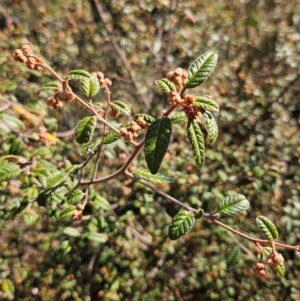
9, 171
158, 178
79, 74
181, 224
97, 237
201, 69
56, 179
211, 126
71, 232
67, 212
206, 104
75, 196
102, 202
90, 86
234, 204
267, 227
166, 85
195, 137
178, 117
156, 142
84, 129
121, 107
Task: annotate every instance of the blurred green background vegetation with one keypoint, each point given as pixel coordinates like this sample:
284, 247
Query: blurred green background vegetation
257, 153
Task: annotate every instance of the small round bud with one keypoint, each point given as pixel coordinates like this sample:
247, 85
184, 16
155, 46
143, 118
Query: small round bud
134, 126
123, 131
66, 96
135, 135
108, 82
27, 50
58, 105
51, 101
76, 215
274, 260
128, 137
177, 80
100, 75
30, 65
178, 71
184, 75
170, 75
79, 207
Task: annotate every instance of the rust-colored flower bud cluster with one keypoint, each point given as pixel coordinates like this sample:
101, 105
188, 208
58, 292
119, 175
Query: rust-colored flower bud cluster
179, 76
131, 131
54, 102
77, 214
67, 96
104, 81
25, 55
260, 269
275, 259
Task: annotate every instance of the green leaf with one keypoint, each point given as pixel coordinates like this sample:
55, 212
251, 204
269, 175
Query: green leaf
149, 119
201, 69
233, 204
71, 232
232, 256
79, 74
57, 178
166, 85
178, 117
63, 250
17, 147
67, 212
110, 137
49, 86
9, 171
267, 227
199, 213
156, 142
32, 193
181, 224
121, 107
84, 129
30, 218
12, 122
102, 202
90, 86
281, 268
195, 137
97, 237
206, 103
157, 178
75, 196
211, 126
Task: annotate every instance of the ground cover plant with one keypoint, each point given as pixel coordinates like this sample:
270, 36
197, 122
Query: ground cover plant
107, 186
